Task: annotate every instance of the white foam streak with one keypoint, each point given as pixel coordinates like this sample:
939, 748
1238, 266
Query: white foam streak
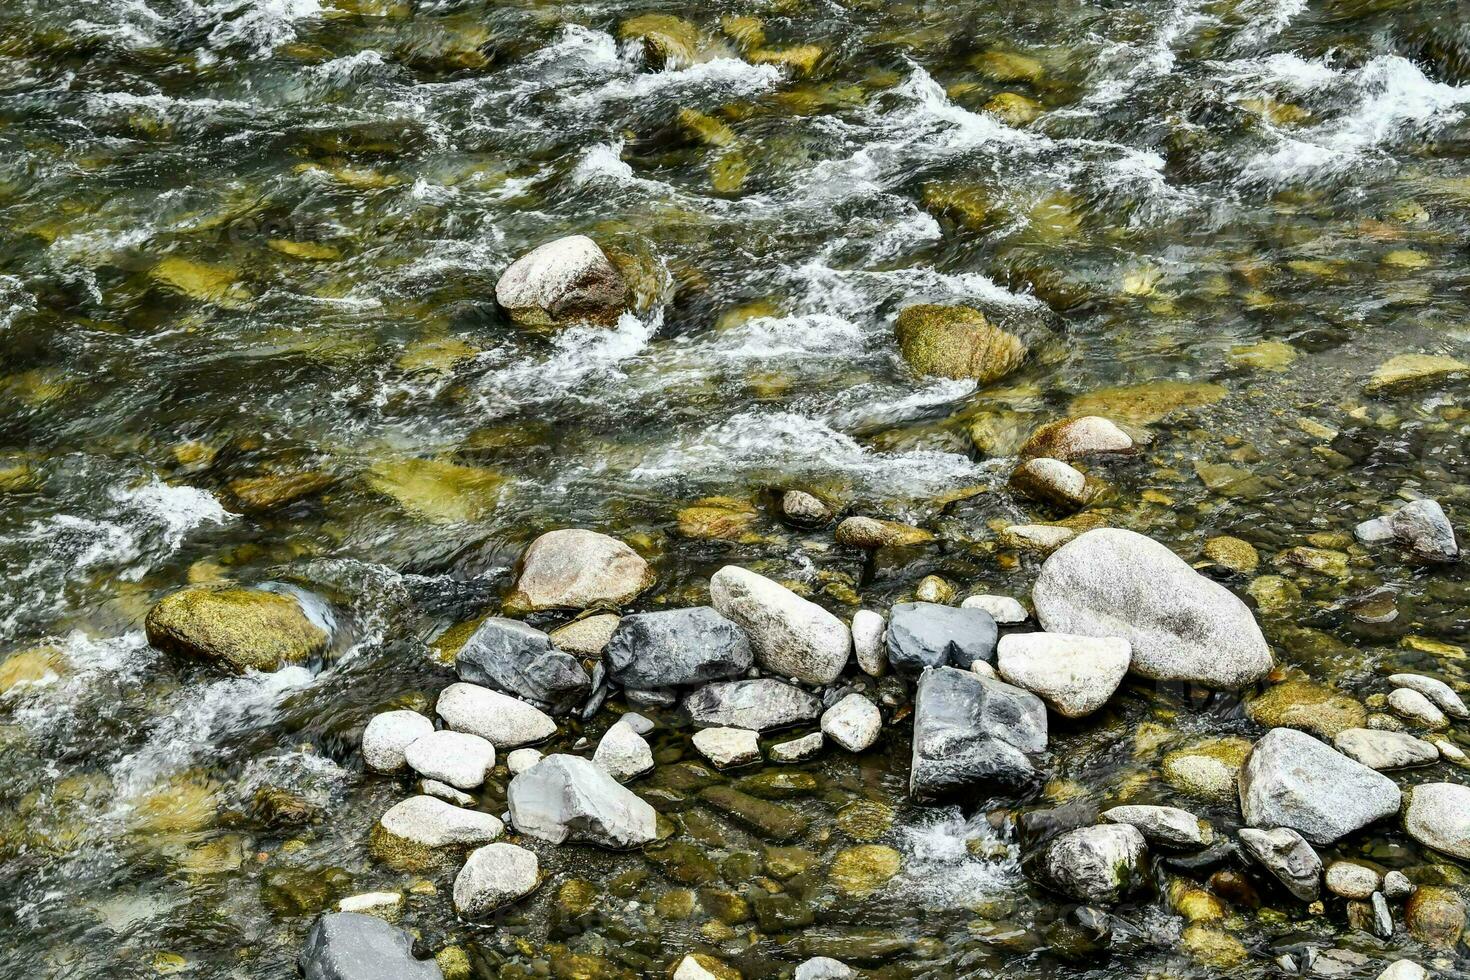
731, 78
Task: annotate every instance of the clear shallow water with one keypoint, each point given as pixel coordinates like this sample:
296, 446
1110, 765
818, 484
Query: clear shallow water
249, 238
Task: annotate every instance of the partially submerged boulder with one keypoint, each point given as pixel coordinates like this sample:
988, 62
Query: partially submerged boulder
1420, 527
957, 342
568, 798
1075, 675
498, 718
238, 628
1099, 865
494, 876
926, 634
575, 568
971, 732
569, 280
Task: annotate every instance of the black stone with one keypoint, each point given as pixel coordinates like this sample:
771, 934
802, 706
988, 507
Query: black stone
972, 731
926, 634
519, 659
675, 648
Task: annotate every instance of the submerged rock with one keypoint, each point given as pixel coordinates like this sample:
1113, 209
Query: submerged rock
971, 732
494, 876
1416, 709
1420, 527
804, 510
870, 533
242, 629
521, 660
677, 647
1412, 372
1435, 916
1100, 864
354, 946
1287, 855
567, 798
1438, 816
1292, 780
669, 42
925, 634
565, 281
500, 719
957, 342
388, 734
1208, 769
1307, 705
577, 569
853, 723
760, 705
1181, 625
791, 636
1075, 675
1385, 750
1078, 438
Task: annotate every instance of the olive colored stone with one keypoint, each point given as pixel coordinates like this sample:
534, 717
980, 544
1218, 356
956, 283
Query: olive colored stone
1413, 372
1147, 403
669, 42
38, 666
1207, 770
717, 519
1008, 66
802, 59
677, 904
586, 637
726, 906
1212, 947
1014, 109
957, 342
770, 820
1233, 553
782, 913
265, 493
243, 629
932, 588
778, 784
1274, 594
437, 490
870, 532
682, 862
865, 820
576, 897
1324, 711
206, 283
303, 891
862, 870
788, 862
1435, 916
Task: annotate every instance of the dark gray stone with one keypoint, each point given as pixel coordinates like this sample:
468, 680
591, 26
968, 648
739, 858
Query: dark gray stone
677, 647
759, 705
521, 660
926, 634
1287, 855
353, 946
972, 731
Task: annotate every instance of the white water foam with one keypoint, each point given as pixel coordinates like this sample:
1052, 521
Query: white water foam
940, 871
15, 300
730, 78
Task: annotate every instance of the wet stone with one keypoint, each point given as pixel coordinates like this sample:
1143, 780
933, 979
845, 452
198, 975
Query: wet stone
675, 648
854, 723
792, 637
353, 946
868, 642
1416, 709
1100, 864
760, 705
1165, 825
388, 734
1420, 527
1441, 694
521, 660
771, 820
970, 732
561, 282
1288, 856
494, 876
797, 749
728, 747
575, 568
240, 629
1003, 609
1292, 780
1385, 750
923, 634
567, 798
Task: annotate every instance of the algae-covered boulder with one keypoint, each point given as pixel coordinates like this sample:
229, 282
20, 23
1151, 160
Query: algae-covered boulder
243, 629
669, 42
1414, 372
957, 342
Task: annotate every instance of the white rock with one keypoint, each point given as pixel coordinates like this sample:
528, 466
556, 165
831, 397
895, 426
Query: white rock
499, 719
457, 758
1288, 856
567, 798
1350, 880
575, 568
824, 968
1419, 526
495, 875
1097, 865
432, 787
388, 734
1002, 608
853, 723
867, 642
1074, 675
1160, 824
797, 749
1438, 816
689, 969
562, 281
792, 637
983, 669
1450, 752
1384, 750
385, 905
727, 747
1443, 696
519, 760
1404, 970
1416, 709
1181, 625
623, 753
433, 823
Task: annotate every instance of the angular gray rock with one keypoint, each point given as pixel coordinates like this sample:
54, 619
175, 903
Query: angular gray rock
1397, 886
728, 747
388, 734
354, 946
867, 642
567, 798
560, 282
1002, 608
1443, 696
1292, 780
1075, 675
622, 753
972, 732
1420, 527
494, 876
1166, 825
1288, 856
521, 660
925, 634
1438, 816
1181, 625
1385, 750
797, 749
458, 758
431, 822
500, 719
853, 723
1098, 865
791, 636
677, 647
761, 704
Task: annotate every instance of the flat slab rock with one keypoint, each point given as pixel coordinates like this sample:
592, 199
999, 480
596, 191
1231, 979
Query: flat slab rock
1290, 779
677, 647
1181, 625
972, 731
568, 798
354, 946
1168, 825
1385, 750
728, 747
761, 704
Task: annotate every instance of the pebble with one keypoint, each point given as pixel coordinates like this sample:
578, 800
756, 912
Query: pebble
519, 760
1437, 691
1347, 879
1385, 750
1160, 824
500, 719
494, 876
867, 642
1288, 856
792, 637
432, 822
1002, 608
622, 753
433, 787
1074, 675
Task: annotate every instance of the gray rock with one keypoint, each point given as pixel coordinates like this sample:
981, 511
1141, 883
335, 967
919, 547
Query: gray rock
853, 723
494, 876
867, 642
1397, 886
728, 747
574, 568
651, 697
797, 749
1287, 855
1443, 696
500, 719
353, 946
433, 787
1098, 865
519, 659
1181, 625
1337, 963
561, 282
1416, 709
431, 822
1051, 481
760, 705
1075, 675
1002, 608
1438, 816
637, 722
1420, 527
791, 636
1384, 750
1404, 970
1167, 825
1292, 780
1348, 879
388, 734
457, 758
824, 968
567, 798
972, 732
1382, 917
924, 634
677, 647
622, 753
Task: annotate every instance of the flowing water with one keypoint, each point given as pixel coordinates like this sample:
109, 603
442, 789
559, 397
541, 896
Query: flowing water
259, 238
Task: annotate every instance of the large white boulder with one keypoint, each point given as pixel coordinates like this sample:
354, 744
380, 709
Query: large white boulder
568, 798
457, 758
1438, 816
1292, 780
564, 281
792, 636
388, 734
1074, 675
499, 719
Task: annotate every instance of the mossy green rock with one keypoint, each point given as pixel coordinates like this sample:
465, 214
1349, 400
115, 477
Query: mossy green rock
862, 870
668, 41
771, 820
957, 342
1207, 770
243, 629
1324, 711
